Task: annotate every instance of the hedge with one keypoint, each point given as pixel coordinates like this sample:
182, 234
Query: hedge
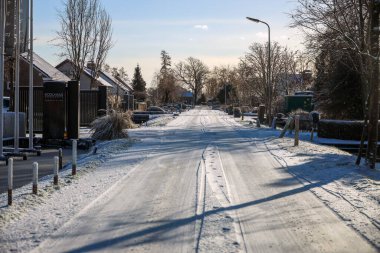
340, 129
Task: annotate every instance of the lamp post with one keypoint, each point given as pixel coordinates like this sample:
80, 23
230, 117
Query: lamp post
225, 95
269, 89
2, 40
31, 68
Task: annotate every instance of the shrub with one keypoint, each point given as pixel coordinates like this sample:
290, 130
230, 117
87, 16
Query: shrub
305, 121
111, 126
340, 129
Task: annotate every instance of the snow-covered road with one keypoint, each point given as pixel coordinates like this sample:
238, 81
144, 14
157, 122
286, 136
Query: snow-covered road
207, 184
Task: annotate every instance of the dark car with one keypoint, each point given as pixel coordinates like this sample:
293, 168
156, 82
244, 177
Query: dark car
156, 110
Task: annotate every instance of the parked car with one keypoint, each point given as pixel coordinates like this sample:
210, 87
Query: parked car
155, 109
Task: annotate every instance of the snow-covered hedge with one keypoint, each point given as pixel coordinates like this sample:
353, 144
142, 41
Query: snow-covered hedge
340, 129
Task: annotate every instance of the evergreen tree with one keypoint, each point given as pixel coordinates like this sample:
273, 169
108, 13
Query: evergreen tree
138, 84
166, 61
337, 87
166, 79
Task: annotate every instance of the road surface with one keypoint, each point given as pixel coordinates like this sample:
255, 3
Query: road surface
207, 185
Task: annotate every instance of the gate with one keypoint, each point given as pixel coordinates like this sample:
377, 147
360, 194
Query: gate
37, 106
89, 106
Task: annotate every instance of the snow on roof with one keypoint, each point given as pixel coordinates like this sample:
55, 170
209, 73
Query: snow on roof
127, 86
100, 79
46, 67
117, 81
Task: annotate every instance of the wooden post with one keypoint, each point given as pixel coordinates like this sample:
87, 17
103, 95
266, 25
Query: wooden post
261, 113
35, 178
10, 180
274, 123
74, 158
297, 130
56, 165
60, 154
312, 134
288, 122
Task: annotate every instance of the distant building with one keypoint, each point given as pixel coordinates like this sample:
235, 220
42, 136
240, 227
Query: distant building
114, 84
67, 67
287, 84
119, 86
187, 97
43, 71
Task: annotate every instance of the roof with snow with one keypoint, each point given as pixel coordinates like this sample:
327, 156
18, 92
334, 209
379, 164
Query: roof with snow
45, 67
100, 79
117, 81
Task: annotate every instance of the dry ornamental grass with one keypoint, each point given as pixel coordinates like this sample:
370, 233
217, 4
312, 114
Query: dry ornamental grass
111, 126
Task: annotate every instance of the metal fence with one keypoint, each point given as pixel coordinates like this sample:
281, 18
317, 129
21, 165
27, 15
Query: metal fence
88, 106
38, 102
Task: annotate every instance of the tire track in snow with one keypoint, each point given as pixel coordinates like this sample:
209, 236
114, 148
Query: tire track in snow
217, 230
200, 202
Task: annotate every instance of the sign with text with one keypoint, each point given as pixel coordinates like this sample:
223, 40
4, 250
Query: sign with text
54, 110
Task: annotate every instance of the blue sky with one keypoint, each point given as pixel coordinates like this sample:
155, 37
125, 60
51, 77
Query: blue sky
214, 31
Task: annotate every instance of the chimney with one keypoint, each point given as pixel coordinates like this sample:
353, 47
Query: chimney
91, 65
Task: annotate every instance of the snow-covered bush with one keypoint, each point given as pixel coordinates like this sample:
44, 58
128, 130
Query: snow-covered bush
111, 126
305, 122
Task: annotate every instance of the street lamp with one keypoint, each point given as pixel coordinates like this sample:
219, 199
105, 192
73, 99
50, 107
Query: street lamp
269, 90
225, 95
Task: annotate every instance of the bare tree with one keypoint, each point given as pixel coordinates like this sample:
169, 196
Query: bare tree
337, 28
219, 78
106, 67
326, 23
249, 82
102, 41
192, 73
256, 61
294, 71
85, 34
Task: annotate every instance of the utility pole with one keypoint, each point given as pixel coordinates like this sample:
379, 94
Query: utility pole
269, 83
374, 86
31, 68
2, 45
225, 95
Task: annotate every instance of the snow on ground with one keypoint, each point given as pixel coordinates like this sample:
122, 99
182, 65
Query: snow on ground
220, 231
32, 217
352, 192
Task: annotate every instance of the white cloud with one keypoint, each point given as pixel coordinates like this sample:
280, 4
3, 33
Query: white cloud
242, 38
202, 27
262, 35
